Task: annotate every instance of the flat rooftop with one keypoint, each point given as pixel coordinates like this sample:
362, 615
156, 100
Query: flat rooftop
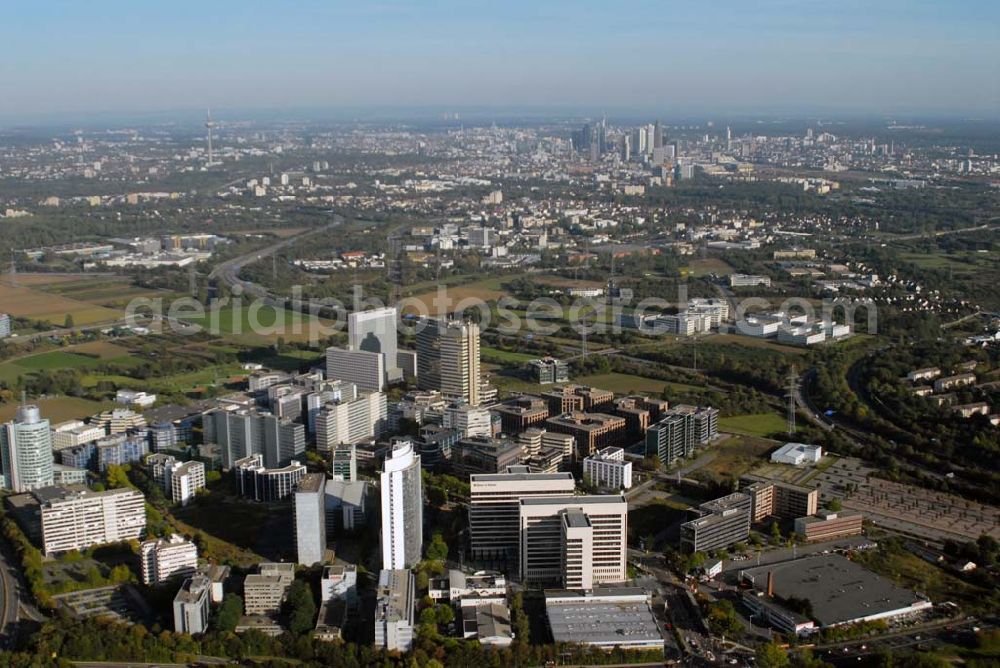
839, 590
572, 501
592, 621
312, 483
507, 477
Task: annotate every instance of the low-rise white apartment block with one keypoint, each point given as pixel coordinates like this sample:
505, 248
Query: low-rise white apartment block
264, 592
191, 605
608, 469
163, 558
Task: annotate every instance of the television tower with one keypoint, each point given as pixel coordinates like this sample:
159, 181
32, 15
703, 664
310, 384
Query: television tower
209, 125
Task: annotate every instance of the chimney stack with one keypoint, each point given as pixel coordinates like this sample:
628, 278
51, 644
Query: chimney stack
770, 584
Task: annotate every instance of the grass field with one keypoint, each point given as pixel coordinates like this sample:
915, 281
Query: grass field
82, 356
709, 265
506, 356
483, 290
255, 325
761, 424
59, 409
57, 359
621, 383
754, 342
735, 456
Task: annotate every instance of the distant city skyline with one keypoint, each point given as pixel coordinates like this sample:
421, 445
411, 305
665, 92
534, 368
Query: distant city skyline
725, 57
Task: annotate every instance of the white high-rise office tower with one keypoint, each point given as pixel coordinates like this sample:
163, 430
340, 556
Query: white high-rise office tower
402, 507
375, 332
448, 359
26, 450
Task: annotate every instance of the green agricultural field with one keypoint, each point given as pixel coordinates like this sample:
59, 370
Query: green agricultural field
760, 424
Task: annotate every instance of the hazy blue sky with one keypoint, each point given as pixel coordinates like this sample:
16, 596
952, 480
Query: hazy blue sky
722, 56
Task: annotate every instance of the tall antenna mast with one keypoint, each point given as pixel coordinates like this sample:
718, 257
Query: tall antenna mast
209, 125
793, 388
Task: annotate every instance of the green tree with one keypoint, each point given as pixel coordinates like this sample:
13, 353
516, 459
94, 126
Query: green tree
772, 655
522, 626
68, 321
775, 532
229, 613
834, 505
722, 619
299, 608
437, 549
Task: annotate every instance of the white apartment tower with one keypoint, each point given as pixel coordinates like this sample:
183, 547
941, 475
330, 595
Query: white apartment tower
402, 507
163, 558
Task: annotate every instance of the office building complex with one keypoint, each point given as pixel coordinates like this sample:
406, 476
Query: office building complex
375, 332
608, 469
521, 413
779, 499
467, 420
344, 463
401, 488
346, 505
577, 541
118, 421
717, 524
494, 509
826, 525
364, 369
310, 519
549, 370
245, 432
591, 431
679, 431
339, 423
121, 448
26, 451
395, 608
484, 454
259, 483
74, 433
448, 359
191, 605
164, 558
